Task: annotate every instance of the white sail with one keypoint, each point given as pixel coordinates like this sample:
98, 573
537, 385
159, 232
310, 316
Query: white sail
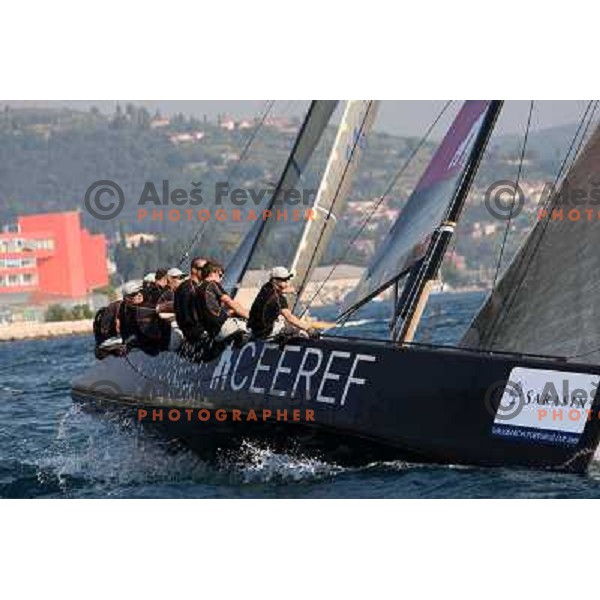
334, 188
312, 129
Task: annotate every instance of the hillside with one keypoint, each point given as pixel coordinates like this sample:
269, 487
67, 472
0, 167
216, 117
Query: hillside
48, 158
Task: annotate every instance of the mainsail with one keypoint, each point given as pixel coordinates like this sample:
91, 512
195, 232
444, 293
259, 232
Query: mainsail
547, 302
312, 129
427, 208
334, 188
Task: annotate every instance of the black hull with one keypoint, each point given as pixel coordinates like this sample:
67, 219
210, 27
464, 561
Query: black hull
356, 401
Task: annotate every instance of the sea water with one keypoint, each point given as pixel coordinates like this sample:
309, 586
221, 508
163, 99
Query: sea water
49, 448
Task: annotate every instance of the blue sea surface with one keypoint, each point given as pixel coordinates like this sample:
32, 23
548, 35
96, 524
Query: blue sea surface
49, 448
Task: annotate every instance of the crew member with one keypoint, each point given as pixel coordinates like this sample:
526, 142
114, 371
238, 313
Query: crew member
149, 288
174, 277
107, 331
187, 310
221, 315
140, 323
128, 317
154, 285
270, 315
160, 278
106, 322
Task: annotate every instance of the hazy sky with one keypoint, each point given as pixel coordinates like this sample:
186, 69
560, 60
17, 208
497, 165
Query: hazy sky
397, 117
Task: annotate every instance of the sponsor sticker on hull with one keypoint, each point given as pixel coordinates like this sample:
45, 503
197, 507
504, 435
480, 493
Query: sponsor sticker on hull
545, 406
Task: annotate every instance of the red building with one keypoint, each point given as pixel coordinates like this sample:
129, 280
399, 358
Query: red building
51, 255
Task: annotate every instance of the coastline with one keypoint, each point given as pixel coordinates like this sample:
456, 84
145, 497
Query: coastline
28, 330
32, 330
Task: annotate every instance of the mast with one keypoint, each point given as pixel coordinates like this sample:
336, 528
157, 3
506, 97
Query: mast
333, 191
418, 289
312, 129
402, 252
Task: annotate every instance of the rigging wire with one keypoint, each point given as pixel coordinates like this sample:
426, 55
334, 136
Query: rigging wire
514, 194
380, 200
230, 175
584, 126
355, 145
368, 218
421, 273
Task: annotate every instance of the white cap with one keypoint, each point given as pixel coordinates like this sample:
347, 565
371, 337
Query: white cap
150, 278
281, 273
175, 272
132, 287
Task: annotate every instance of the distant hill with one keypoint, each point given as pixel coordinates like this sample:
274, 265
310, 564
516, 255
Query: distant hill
547, 148
49, 157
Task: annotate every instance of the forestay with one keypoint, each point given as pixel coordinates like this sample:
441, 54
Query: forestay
312, 129
334, 188
408, 240
548, 300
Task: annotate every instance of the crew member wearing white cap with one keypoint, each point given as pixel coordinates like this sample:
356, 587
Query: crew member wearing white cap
175, 274
165, 302
132, 301
140, 324
270, 314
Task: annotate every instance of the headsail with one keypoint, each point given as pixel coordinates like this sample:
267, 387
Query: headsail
312, 129
335, 185
547, 302
408, 240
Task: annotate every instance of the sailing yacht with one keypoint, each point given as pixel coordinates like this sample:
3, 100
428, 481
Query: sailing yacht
513, 393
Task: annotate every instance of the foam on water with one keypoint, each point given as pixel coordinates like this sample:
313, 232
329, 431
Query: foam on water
112, 452
256, 463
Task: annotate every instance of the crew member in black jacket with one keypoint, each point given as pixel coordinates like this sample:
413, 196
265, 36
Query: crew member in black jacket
187, 310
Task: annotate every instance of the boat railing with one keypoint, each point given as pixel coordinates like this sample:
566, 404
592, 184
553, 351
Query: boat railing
450, 347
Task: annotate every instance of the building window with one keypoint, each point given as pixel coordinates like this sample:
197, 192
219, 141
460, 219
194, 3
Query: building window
13, 280
20, 245
17, 263
27, 279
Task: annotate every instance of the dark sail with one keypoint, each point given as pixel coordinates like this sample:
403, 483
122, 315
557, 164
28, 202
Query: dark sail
409, 238
312, 129
548, 301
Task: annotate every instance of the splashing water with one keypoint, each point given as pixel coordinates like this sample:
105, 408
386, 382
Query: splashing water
258, 463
